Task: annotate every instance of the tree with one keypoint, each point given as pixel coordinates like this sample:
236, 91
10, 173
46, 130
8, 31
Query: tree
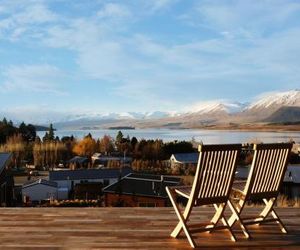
119, 137
6, 130
106, 144
16, 146
49, 136
177, 147
85, 147
51, 133
133, 142
28, 132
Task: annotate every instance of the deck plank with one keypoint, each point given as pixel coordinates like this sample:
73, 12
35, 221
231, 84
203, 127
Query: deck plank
130, 228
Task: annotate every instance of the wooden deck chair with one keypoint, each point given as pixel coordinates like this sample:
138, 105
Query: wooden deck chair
212, 185
263, 183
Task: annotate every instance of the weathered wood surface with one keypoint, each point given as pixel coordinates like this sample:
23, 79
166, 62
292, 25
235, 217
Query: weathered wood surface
130, 228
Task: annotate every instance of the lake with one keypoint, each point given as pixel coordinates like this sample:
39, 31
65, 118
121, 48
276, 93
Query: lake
206, 136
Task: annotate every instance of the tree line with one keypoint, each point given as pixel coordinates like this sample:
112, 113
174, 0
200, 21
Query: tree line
50, 150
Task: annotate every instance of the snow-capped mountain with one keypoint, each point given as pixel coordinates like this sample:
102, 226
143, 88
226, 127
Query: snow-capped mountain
120, 116
216, 107
276, 100
209, 112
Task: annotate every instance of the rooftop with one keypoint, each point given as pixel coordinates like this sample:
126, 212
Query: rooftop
143, 184
129, 228
40, 181
81, 174
186, 157
4, 158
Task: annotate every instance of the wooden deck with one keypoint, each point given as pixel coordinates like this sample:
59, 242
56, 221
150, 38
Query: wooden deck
129, 228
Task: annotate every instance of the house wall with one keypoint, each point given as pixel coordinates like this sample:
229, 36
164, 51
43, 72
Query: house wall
68, 183
3, 186
39, 192
133, 200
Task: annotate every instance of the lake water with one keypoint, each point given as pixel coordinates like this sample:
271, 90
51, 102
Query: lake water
206, 136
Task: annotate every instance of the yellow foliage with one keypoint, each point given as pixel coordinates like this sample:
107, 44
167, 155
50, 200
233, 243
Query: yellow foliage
85, 147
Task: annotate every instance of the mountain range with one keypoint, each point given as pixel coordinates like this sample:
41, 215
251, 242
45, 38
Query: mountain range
282, 107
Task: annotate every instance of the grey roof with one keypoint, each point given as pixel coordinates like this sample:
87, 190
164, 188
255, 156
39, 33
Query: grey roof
78, 159
143, 185
154, 177
113, 158
39, 181
187, 157
87, 174
4, 159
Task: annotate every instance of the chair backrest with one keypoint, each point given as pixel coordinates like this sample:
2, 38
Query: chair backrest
267, 170
215, 172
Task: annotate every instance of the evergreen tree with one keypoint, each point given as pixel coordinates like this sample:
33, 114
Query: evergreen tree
119, 137
51, 133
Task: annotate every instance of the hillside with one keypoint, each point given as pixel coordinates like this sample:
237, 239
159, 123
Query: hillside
285, 115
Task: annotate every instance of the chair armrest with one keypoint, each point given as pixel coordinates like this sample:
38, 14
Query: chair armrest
182, 190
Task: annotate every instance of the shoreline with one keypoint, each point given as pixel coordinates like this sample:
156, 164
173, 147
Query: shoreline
254, 128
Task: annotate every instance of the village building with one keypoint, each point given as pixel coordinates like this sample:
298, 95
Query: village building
70, 178
140, 190
183, 159
78, 162
104, 160
41, 190
182, 162
6, 181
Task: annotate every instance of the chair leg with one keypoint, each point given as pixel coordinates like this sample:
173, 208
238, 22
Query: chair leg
270, 210
238, 208
233, 238
217, 216
186, 215
182, 219
236, 217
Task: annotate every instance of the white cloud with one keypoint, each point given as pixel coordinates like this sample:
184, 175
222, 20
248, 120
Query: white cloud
36, 114
36, 78
22, 18
244, 17
156, 5
113, 47
113, 10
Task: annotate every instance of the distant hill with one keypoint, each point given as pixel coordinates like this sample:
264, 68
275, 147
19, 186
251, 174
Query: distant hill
280, 107
41, 128
285, 115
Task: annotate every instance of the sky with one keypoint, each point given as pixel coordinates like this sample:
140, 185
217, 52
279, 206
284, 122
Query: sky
61, 57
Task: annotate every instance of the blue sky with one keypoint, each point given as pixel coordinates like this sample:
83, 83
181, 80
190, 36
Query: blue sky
60, 57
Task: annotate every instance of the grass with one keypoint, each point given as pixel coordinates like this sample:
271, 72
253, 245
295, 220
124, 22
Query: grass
283, 201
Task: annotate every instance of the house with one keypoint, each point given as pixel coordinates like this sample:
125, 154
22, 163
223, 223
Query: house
6, 181
88, 191
183, 161
39, 190
69, 178
184, 158
292, 174
78, 162
104, 160
140, 190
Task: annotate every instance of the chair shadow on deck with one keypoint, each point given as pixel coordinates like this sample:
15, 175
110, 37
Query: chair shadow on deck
266, 236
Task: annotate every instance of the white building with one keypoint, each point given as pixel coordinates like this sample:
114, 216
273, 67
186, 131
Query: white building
40, 190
